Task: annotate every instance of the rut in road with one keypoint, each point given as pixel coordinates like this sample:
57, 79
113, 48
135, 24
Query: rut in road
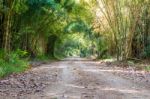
71, 79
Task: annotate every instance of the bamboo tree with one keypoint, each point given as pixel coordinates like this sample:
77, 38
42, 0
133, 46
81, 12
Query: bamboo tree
8, 25
124, 19
1, 22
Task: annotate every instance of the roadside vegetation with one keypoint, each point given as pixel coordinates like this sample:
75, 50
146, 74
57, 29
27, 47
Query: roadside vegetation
55, 29
14, 62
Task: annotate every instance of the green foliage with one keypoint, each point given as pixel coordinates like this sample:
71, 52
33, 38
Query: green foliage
65, 28
20, 6
125, 25
76, 26
147, 68
45, 29
37, 20
101, 47
147, 51
45, 58
12, 63
73, 44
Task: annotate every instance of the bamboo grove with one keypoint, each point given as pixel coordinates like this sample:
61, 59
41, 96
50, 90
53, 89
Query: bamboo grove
35, 25
116, 28
126, 26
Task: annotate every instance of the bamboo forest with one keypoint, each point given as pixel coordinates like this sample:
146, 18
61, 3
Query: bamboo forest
74, 49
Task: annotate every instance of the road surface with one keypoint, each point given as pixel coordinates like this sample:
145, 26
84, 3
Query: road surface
72, 78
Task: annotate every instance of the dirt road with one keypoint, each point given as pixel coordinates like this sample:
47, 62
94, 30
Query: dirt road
71, 79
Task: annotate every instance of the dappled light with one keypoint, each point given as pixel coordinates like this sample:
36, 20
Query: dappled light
75, 49
73, 45
121, 90
113, 71
74, 86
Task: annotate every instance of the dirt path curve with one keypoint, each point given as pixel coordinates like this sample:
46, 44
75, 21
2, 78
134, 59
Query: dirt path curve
73, 78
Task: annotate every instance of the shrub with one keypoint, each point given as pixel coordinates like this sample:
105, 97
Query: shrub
12, 62
147, 51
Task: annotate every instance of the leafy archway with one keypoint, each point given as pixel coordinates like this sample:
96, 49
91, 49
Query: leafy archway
73, 44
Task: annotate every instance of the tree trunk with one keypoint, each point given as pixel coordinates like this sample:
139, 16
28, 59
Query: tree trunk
7, 25
6, 36
1, 23
1, 30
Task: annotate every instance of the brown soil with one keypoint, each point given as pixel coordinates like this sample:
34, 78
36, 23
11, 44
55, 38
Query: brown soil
76, 78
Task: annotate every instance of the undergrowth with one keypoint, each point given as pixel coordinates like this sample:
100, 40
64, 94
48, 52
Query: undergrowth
13, 62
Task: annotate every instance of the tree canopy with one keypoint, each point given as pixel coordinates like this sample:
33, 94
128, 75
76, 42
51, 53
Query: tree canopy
99, 28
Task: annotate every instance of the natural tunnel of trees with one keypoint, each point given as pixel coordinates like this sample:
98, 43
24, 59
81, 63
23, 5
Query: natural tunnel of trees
61, 28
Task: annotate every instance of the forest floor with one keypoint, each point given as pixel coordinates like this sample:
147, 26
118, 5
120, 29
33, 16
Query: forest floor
76, 78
